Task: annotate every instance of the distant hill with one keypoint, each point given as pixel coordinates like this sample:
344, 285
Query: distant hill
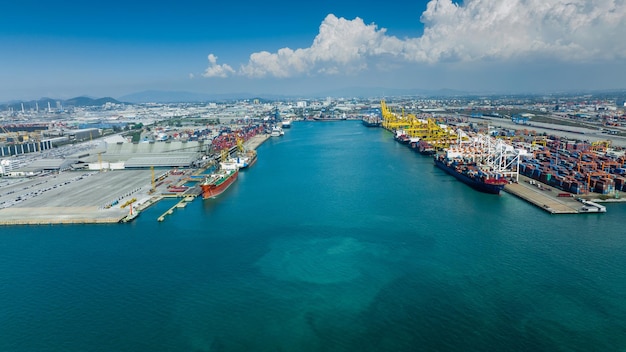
157, 96
86, 101
43, 103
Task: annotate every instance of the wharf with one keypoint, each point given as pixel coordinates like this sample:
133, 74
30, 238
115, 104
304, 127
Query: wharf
74, 197
59, 215
255, 141
170, 211
544, 197
91, 197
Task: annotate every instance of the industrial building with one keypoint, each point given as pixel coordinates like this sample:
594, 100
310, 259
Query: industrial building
42, 166
23, 148
124, 155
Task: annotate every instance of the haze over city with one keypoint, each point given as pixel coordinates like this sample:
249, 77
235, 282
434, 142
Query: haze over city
71, 48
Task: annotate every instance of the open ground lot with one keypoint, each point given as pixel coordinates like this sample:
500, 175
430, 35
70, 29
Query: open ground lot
72, 197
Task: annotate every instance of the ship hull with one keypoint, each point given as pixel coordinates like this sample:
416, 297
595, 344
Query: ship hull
403, 139
425, 148
329, 118
219, 184
371, 122
472, 182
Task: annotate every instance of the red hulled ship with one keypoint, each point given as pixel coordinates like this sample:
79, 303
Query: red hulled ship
217, 182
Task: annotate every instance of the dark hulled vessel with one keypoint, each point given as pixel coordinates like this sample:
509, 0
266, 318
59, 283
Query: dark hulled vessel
371, 121
470, 174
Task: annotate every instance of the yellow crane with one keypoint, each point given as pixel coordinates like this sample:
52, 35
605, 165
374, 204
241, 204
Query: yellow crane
391, 120
100, 160
224, 155
240, 145
14, 135
600, 146
153, 180
429, 131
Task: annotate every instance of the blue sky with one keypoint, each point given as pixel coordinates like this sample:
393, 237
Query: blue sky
69, 48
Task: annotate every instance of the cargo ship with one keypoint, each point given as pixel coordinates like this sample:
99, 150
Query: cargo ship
316, 118
425, 148
371, 121
402, 137
244, 160
217, 182
331, 117
470, 174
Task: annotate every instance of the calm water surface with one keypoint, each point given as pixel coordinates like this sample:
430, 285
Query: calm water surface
338, 239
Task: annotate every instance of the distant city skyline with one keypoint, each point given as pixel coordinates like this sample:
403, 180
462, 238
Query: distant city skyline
68, 49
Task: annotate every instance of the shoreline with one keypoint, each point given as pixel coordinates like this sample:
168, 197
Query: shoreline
83, 211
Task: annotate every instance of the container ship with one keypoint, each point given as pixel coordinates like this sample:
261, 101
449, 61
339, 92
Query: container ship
425, 148
216, 183
401, 137
371, 121
470, 174
330, 117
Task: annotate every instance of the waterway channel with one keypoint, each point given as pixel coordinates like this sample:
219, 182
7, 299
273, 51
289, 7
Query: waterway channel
337, 239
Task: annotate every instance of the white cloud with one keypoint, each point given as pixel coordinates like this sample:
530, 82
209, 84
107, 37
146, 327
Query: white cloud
478, 30
341, 46
215, 70
568, 30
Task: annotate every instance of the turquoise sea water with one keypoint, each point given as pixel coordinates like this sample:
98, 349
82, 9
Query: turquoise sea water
337, 239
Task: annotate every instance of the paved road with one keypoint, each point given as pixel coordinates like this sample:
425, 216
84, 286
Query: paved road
585, 134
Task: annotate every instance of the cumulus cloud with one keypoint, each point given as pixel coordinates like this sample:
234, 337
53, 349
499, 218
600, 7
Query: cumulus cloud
477, 30
568, 30
215, 70
342, 46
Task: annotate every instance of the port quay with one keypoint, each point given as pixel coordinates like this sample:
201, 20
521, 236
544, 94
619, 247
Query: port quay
105, 164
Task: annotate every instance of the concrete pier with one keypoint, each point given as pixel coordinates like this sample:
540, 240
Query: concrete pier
73, 197
58, 215
544, 197
91, 197
256, 141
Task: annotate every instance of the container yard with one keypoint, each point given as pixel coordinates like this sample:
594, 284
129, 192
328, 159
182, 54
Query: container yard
577, 167
555, 173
